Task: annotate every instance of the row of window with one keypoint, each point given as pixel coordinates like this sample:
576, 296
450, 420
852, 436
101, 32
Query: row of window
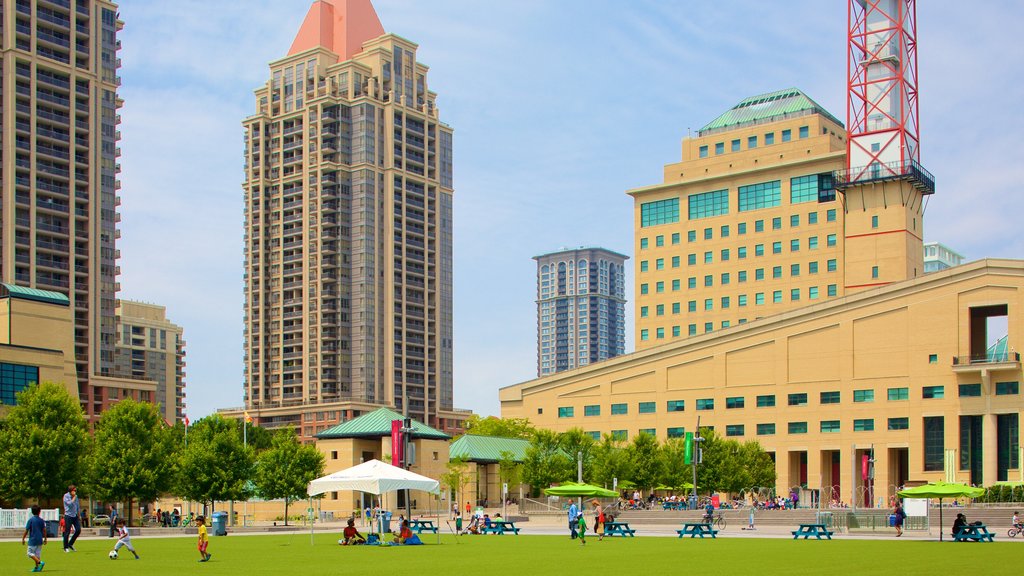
725, 302
768, 428
725, 230
794, 399
726, 254
752, 141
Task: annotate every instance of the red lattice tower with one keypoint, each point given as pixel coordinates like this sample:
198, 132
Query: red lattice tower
882, 97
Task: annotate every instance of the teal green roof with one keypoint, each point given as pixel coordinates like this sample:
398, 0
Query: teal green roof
377, 424
24, 293
487, 448
788, 103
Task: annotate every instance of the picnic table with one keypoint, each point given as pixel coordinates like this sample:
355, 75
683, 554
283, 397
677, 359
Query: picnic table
673, 505
420, 525
619, 529
974, 532
500, 527
808, 530
695, 529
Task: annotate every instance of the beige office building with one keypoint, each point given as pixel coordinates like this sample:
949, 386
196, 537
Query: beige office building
151, 347
749, 223
348, 231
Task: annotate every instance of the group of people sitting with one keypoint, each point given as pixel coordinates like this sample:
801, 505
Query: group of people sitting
477, 524
352, 537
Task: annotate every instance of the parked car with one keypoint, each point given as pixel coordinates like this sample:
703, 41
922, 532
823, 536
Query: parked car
101, 520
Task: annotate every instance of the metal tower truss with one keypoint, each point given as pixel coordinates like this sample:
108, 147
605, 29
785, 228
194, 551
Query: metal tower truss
882, 101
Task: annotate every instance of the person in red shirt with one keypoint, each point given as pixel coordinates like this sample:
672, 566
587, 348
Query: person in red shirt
404, 534
351, 535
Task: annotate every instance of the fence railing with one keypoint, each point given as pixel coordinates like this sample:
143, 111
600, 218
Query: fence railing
530, 506
17, 518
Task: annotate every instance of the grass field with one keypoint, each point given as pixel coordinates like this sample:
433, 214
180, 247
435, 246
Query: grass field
524, 556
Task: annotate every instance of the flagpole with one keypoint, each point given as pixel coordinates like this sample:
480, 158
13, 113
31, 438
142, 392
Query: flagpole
245, 442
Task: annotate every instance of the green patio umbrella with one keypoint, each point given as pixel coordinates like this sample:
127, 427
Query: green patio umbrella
941, 490
574, 489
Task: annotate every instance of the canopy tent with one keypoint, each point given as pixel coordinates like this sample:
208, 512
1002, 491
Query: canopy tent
575, 489
374, 477
941, 490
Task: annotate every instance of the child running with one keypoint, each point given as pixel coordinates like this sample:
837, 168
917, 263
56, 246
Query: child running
581, 527
123, 538
204, 540
35, 530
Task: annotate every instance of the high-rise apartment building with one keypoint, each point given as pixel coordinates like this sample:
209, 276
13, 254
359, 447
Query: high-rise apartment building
348, 230
581, 308
938, 256
151, 347
60, 167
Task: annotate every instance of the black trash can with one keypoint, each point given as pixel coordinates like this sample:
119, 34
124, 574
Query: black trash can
52, 528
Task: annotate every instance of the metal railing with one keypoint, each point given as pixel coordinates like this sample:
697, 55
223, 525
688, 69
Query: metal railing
878, 171
986, 358
17, 518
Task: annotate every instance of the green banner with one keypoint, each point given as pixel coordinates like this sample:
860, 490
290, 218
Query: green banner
688, 449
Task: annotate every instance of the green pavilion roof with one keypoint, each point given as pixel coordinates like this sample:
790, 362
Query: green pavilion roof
34, 294
377, 424
763, 108
487, 448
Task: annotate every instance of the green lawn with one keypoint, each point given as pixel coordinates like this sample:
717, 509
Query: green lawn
524, 555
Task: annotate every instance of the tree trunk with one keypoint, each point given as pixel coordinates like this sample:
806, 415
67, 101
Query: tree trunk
286, 511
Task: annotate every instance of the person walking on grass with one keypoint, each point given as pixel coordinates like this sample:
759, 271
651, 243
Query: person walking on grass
581, 526
899, 515
124, 539
204, 540
35, 530
598, 520
72, 510
113, 520
574, 512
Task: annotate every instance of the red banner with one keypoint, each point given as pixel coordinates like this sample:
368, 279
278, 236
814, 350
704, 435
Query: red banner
396, 443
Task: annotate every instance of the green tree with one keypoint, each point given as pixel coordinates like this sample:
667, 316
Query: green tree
758, 464
575, 442
509, 471
675, 473
214, 465
131, 456
545, 463
611, 462
256, 437
286, 468
500, 427
645, 461
455, 478
44, 445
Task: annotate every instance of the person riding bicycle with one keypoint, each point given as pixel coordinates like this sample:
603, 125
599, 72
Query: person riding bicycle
1016, 522
709, 513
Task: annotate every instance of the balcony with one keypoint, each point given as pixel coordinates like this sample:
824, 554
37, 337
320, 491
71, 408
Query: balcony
987, 362
910, 170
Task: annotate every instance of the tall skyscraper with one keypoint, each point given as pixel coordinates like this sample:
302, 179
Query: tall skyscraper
60, 170
151, 347
348, 230
581, 308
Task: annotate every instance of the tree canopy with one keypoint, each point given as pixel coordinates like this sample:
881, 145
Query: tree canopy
45, 444
501, 427
214, 465
286, 468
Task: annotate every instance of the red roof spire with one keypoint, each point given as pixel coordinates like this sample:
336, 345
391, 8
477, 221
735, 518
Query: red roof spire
341, 26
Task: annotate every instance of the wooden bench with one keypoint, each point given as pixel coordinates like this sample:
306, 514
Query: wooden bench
618, 529
816, 530
695, 529
420, 525
974, 533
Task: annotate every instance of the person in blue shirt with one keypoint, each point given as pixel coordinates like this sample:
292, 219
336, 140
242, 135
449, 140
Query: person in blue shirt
71, 512
113, 520
574, 512
709, 513
35, 530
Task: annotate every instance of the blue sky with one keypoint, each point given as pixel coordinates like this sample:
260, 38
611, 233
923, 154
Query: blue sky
558, 108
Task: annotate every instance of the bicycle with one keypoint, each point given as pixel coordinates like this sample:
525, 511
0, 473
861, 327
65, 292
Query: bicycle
717, 521
1013, 531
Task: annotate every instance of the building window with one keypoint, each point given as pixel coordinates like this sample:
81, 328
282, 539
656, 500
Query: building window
708, 204
676, 432
703, 152
675, 238
758, 273
1007, 444
675, 405
676, 332
776, 247
794, 269
776, 223
797, 427
766, 429
758, 249
646, 407
691, 259
741, 252
659, 240
787, 135
794, 220
759, 298
756, 196
659, 333
649, 431
766, 401
776, 271
741, 228
830, 397
691, 306
812, 243
830, 426
934, 443
619, 409
794, 245
592, 410
751, 142
643, 288
741, 300
735, 145
863, 395
724, 232
719, 148
725, 255
799, 399
659, 264
899, 394
659, 212
734, 429
830, 215
1007, 388
830, 240
812, 267
769, 139
565, 411
709, 304
734, 402
777, 296
899, 423
691, 330
14, 378
874, 221
709, 257
864, 425
758, 225
643, 243
933, 358
832, 290
812, 217
644, 334
705, 404
725, 302
619, 435
742, 274
676, 285
831, 265
874, 271
970, 390
675, 261
932, 392
691, 236
803, 132
643, 265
